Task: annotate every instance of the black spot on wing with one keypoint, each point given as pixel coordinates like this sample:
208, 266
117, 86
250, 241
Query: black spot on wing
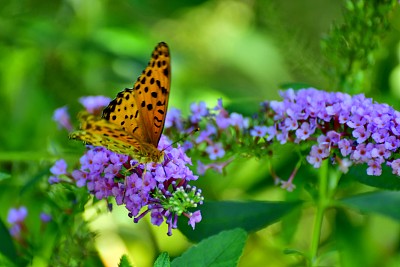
156, 119
166, 72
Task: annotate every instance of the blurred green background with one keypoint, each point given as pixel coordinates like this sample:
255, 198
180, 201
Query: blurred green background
53, 52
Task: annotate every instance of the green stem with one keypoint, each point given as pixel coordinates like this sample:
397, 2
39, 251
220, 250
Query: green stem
321, 205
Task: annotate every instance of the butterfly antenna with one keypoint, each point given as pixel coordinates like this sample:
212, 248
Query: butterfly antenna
183, 137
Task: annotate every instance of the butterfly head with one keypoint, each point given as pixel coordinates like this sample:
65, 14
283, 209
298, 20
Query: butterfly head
158, 157
148, 153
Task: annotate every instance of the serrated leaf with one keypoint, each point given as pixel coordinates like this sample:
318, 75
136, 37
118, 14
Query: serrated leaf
220, 250
162, 260
250, 216
387, 180
124, 262
383, 202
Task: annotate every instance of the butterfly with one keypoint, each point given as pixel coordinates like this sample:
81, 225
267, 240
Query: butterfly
132, 123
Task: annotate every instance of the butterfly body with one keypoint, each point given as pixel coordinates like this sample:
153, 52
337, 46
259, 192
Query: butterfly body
133, 122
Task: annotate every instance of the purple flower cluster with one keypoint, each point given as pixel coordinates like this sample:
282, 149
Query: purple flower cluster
218, 127
94, 104
354, 127
62, 118
58, 170
346, 129
16, 218
161, 189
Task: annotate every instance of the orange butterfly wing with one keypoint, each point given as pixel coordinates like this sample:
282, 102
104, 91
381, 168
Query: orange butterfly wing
145, 106
133, 122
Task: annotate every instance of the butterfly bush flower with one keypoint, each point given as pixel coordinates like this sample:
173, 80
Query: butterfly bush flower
198, 110
57, 170
173, 119
161, 189
259, 131
351, 127
217, 166
44, 217
346, 129
16, 217
94, 104
215, 151
62, 118
218, 130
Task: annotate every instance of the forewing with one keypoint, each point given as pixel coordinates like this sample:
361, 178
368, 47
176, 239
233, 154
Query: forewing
152, 92
123, 111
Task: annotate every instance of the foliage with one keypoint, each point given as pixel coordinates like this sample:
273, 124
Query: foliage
353, 55
265, 192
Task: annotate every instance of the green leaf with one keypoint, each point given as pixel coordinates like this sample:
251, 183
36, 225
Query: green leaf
224, 215
387, 180
124, 262
162, 260
350, 238
220, 250
383, 202
4, 176
7, 247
